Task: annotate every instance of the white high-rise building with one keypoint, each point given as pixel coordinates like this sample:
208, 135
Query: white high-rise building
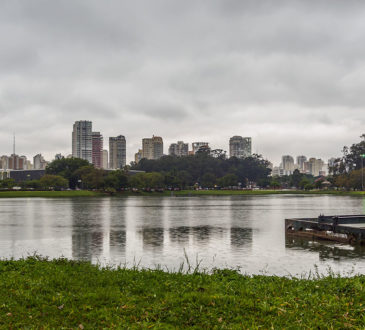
82, 140
152, 148
105, 159
314, 166
300, 162
179, 149
38, 162
240, 147
287, 164
197, 145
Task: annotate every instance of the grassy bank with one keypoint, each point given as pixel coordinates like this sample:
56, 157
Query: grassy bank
60, 293
266, 192
244, 192
183, 193
71, 193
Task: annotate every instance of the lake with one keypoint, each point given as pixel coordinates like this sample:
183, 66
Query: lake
240, 232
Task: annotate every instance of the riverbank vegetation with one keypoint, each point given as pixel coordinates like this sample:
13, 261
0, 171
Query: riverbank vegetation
176, 193
347, 171
51, 193
36, 293
201, 170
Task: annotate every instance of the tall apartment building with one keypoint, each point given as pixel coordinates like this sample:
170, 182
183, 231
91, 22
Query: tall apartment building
314, 166
240, 147
105, 160
82, 140
138, 156
287, 164
117, 152
300, 162
97, 149
38, 162
197, 145
152, 148
179, 149
16, 162
4, 162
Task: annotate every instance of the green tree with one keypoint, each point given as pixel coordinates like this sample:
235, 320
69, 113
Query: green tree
275, 184
303, 183
66, 168
55, 182
351, 159
116, 179
252, 168
147, 180
89, 177
34, 184
208, 180
296, 177
7, 183
228, 180
185, 179
136, 181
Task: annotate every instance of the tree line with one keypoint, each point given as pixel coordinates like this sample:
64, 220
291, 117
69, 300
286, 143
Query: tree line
200, 170
347, 171
206, 171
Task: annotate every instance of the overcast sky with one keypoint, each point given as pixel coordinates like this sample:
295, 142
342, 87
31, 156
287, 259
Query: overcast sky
290, 74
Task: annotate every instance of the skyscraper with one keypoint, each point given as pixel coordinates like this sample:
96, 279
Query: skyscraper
240, 147
152, 148
314, 166
82, 140
179, 149
300, 162
97, 149
105, 159
117, 152
197, 145
287, 164
4, 162
38, 162
138, 156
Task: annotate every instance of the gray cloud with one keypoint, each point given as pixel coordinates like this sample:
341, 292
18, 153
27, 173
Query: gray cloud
289, 73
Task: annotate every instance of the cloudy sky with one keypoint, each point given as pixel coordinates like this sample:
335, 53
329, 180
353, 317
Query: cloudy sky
290, 74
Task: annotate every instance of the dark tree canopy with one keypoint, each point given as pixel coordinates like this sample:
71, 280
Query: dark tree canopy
66, 167
351, 159
206, 170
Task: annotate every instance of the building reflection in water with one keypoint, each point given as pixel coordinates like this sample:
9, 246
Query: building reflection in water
152, 238
202, 233
179, 235
241, 237
117, 231
87, 229
117, 242
326, 250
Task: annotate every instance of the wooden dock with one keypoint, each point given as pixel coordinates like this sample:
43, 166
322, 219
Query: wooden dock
342, 228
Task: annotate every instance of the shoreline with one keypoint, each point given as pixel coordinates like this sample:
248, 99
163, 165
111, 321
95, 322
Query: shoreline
181, 193
41, 293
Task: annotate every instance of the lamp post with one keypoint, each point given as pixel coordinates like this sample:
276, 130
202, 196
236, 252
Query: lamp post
362, 171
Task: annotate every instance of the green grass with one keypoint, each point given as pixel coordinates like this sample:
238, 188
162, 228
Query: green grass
86, 193
35, 293
244, 192
72, 193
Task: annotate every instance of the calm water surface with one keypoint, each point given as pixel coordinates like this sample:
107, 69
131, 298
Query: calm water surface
245, 232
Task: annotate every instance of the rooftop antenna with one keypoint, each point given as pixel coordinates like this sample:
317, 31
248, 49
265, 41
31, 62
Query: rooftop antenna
13, 143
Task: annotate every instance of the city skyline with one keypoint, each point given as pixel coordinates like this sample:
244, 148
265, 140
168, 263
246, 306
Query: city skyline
90, 147
288, 74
